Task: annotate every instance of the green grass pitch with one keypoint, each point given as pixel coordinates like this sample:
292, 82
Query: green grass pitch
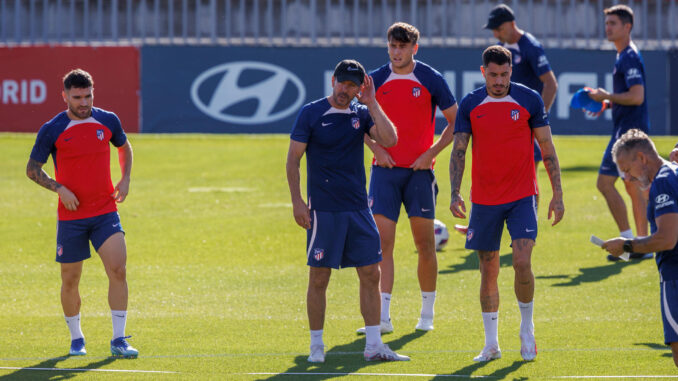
217, 279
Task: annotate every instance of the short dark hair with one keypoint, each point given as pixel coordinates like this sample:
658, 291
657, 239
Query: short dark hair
78, 78
403, 32
633, 140
624, 12
497, 54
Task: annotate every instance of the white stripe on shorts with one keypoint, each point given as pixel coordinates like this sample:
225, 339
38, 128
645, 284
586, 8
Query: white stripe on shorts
433, 189
667, 311
315, 229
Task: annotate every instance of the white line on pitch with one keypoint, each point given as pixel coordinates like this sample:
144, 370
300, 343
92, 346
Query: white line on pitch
657, 376
86, 370
369, 374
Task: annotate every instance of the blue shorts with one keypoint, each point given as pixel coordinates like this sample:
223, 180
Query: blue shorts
669, 304
342, 239
486, 223
608, 166
73, 236
392, 187
537, 152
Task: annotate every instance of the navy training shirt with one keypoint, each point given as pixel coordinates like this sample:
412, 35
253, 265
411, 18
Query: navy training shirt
529, 62
335, 164
663, 200
629, 70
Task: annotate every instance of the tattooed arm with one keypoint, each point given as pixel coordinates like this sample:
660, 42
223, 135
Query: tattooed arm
457, 164
35, 172
548, 152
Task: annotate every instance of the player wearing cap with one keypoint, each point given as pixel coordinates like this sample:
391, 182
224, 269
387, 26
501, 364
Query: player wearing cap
629, 110
409, 92
78, 140
341, 231
504, 118
637, 158
530, 65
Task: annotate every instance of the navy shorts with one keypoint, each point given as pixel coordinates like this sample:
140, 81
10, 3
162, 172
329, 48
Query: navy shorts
669, 303
537, 152
392, 187
608, 166
342, 239
73, 236
486, 223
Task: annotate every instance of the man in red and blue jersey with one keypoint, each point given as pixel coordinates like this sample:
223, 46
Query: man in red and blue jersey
504, 118
629, 110
340, 229
409, 91
78, 140
637, 158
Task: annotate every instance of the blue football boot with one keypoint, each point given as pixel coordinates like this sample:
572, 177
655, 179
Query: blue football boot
77, 347
120, 347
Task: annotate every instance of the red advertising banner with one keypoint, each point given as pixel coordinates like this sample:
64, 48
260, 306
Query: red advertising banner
31, 83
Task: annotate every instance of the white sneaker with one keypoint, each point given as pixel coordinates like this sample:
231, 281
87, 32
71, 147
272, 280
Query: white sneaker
528, 346
384, 327
382, 353
488, 354
424, 324
317, 353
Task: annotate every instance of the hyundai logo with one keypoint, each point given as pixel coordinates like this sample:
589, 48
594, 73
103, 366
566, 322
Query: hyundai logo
662, 198
220, 93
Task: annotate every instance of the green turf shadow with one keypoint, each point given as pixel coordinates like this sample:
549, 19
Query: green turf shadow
340, 359
470, 369
43, 370
591, 274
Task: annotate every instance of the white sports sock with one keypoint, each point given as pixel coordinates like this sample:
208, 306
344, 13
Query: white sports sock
491, 323
73, 323
317, 337
372, 335
627, 234
526, 323
385, 306
427, 301
119, 321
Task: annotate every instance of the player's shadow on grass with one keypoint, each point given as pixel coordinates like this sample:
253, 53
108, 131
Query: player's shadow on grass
591, 274
660, 347
339, 360
471, 263
468, 371
33, 372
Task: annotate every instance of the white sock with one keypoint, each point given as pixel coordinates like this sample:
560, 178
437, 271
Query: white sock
119, 321
73, 323
627, 234
372, 335
317, 337
427, 301
491, 323
385, 306
526, 323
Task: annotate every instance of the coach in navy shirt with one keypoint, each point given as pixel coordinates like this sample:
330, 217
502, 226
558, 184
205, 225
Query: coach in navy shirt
638, 160
629, 110
341, 231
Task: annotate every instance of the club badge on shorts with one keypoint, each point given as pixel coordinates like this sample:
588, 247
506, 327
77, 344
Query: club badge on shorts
60, 250
469, 235
100, 134
318, 254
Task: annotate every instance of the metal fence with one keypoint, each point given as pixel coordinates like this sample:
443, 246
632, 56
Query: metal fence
557, 23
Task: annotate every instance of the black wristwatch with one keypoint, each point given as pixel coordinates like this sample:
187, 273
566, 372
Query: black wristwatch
628, 246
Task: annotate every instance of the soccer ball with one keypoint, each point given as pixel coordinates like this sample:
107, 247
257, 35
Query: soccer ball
441, 234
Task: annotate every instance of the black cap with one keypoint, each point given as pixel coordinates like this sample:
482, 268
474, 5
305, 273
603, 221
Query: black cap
350, 70
499, 15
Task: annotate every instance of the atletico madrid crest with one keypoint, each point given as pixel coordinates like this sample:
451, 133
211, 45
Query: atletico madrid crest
515, 114
355, 122
318, 254
100, 134
60, 250
416, 92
